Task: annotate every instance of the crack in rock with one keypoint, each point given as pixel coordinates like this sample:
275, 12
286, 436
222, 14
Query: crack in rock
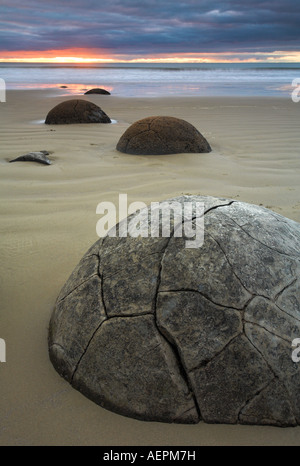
206, 296
266, 329
181, 355
285, 288
256, 239
267, 353
230, 264
280, 414
75, 288
209, 361
164, 381
181, 367
85, 350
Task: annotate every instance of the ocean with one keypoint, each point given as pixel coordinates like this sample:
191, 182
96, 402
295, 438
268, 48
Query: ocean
156, 79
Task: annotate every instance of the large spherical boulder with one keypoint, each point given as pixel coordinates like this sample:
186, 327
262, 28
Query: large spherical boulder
159, 135
158, 330
76, 111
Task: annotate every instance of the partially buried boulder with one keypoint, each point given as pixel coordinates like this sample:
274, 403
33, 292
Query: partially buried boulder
158, 135
76, 111
98, 90
40, 157
154, 329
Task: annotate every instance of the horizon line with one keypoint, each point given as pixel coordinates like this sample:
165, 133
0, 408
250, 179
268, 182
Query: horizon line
116, 62
85, 56
143, 61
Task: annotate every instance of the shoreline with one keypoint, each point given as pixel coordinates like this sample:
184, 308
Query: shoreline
49, 222
69, 92
140, 79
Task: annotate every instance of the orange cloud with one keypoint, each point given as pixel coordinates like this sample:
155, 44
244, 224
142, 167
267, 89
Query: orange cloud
82, 56
74, 55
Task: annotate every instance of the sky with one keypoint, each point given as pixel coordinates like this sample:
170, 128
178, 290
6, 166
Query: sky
150, 30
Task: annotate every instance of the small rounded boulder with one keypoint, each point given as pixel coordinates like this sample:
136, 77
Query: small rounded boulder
159, 135
161, 328
98, 90
76, 111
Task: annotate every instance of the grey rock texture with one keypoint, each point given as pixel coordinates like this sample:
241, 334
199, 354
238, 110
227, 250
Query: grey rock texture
153, 330
159, 135
39, 156
76, 111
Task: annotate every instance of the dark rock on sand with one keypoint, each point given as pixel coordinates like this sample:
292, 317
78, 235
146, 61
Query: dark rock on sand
76, 111
162, 135
40, 157
98, 90
155, 330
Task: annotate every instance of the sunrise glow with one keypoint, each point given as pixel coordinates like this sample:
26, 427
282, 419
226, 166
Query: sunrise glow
149, 32
79, 56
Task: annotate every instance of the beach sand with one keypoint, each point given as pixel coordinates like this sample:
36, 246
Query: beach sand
48, 221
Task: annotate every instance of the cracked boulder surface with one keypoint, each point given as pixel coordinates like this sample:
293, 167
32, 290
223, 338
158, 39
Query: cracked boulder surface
76, 111
151, 329
158, 135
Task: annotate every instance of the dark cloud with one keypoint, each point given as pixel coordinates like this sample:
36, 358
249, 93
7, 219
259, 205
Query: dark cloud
156, 26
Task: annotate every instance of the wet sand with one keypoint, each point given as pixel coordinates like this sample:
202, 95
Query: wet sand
48, 221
